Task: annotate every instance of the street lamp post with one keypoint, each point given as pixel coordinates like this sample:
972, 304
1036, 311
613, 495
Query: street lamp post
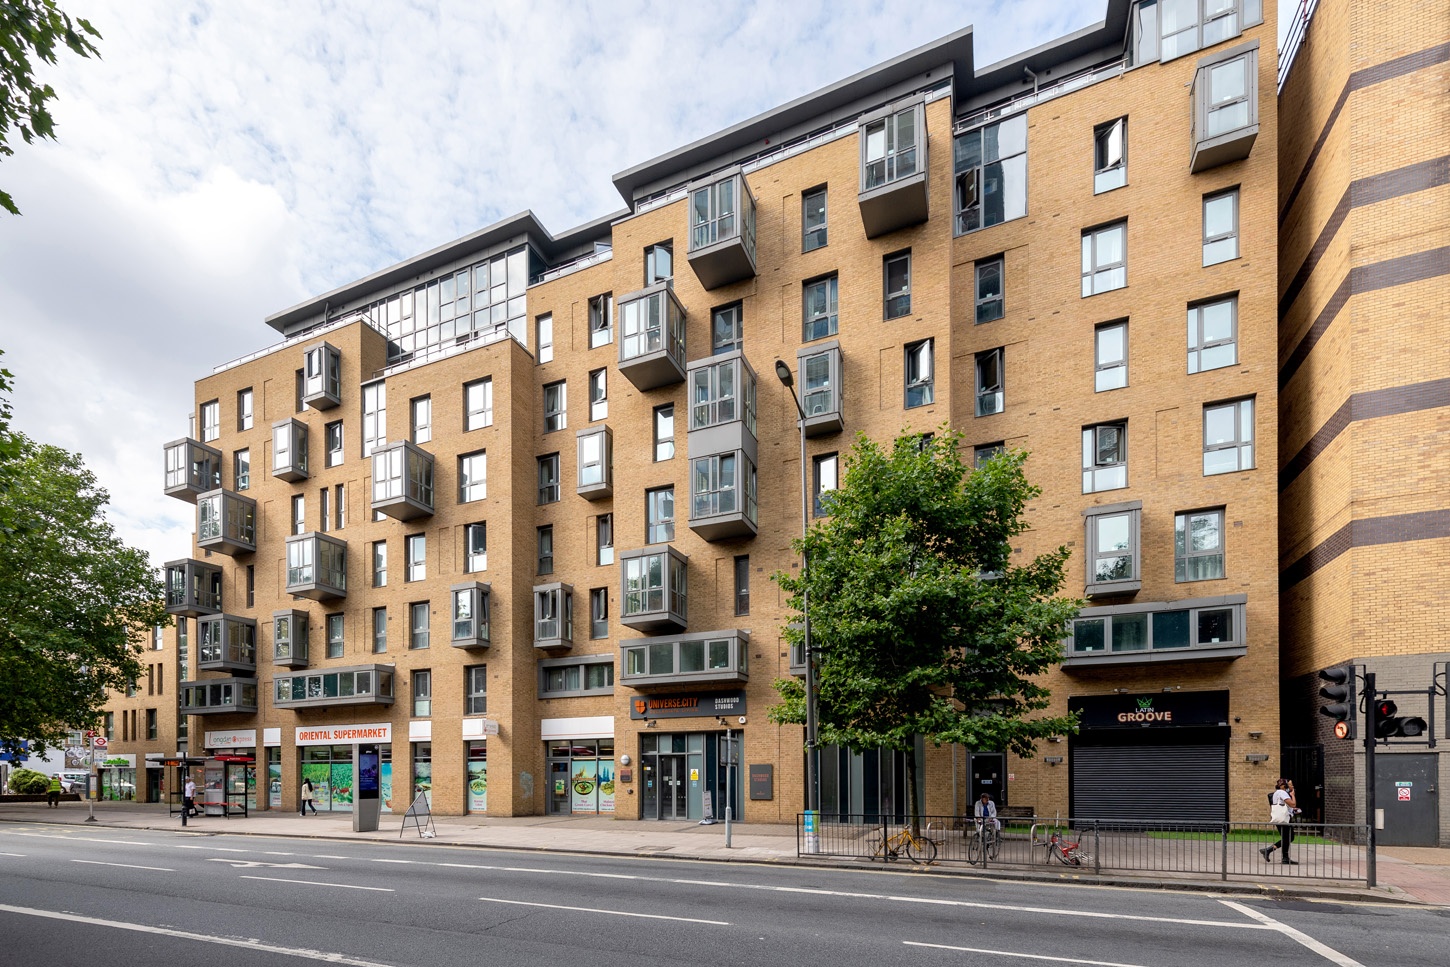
813, 791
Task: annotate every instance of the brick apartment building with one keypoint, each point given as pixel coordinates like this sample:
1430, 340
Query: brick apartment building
511, 506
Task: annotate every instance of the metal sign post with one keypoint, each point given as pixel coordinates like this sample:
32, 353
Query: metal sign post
96, 742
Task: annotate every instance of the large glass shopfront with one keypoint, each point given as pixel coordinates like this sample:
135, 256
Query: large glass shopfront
476, 797
581, 777
330, 769
679, 770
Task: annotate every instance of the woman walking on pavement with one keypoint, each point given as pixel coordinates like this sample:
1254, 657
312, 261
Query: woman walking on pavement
307, 797
1282, 807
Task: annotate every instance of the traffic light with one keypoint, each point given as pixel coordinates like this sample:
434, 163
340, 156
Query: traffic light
1341, 705
1388, 723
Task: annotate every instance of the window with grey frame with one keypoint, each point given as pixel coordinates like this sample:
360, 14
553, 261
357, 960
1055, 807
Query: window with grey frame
664, 424
1221, 227
549, 479
604, 539
380, 564
544, 337
1110, 155
889, 147
990, 397
556, 401
1113, 548
601, 320
598, 394
1213, 330
422, 694
472, 476
546, 549
1198, 545
1224, 98
599, 613
242, 469
813, 219
990, 173
742, 585
920, 378
1168, 29
324, 509
659, 515
1110, 356
819, 308
1104, 258
211, 421
418, 632
475, 547
726, 330
332, 434
299, 514
420, 410
339, 506
981, 455
244, 409
989, 279
335, 636
416, 546
1104, 457
1228, 437
825, 481
478, 404
380, 630
570, 678
659, 263
896, 283
475, 690
375, 417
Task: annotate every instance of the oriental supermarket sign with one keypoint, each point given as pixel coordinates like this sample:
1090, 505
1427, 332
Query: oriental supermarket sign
345, 734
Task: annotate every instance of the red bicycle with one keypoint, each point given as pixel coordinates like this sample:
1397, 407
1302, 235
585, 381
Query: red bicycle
1068, 852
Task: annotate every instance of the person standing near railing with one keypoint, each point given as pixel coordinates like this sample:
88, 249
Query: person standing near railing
986, 809
1282, 806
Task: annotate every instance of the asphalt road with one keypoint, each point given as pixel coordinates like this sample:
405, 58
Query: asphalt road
81, 896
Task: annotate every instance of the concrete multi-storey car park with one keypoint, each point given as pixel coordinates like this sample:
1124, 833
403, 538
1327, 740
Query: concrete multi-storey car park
512, 505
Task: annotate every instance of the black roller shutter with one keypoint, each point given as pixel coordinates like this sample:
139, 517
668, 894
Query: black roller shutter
1171, 783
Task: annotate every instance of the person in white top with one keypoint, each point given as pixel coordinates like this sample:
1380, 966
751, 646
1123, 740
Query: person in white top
1282, 807
188, 797
986, 809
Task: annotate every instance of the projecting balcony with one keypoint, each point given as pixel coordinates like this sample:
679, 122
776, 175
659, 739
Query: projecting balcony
652, 337
893, 170
707, 658
722, 231
654, 592
321, 376
226, 643
820, 369
289, 450
355, 685
193, 588
553, 617
226, 523
403, 480
192, 468
1225, 108
722, 447
289, 638
470, 615
595, 463
217, 696
316, 567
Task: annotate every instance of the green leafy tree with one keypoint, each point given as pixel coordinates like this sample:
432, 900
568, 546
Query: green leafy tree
28, 782
75, 602
33, 29
922, 623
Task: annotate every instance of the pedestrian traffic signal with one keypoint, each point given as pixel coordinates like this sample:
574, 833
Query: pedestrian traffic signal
1388, 723
1341, 705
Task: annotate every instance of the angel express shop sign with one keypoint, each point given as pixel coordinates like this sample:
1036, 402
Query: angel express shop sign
687, 706
1155, 710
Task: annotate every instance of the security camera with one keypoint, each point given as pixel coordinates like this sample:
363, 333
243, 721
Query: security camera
742, 720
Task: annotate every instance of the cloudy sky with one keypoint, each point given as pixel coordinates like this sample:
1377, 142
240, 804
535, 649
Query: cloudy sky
226, 160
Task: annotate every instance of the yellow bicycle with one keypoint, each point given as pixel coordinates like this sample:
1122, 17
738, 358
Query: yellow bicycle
918, 849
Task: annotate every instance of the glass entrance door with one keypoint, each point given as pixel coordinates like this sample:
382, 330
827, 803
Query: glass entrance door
673, 787
558, 786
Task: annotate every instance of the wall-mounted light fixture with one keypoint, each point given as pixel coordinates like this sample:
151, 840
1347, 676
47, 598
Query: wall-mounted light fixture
651, 723
1256, 757
1172, 688
1121, 691
1256, 735
1052, 760
1054, 738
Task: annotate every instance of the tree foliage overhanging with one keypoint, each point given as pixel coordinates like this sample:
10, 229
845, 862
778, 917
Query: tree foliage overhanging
33, 29
75, 601
921, 622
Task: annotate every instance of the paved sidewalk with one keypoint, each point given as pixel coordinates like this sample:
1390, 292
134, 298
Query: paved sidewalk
1404, 873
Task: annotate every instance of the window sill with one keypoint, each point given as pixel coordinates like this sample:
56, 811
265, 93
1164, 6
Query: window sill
1213, 652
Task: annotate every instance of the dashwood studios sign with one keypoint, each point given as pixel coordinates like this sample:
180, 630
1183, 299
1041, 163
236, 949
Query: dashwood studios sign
687, 706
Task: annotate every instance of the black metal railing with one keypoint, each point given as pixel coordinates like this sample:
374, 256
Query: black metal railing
1225, 850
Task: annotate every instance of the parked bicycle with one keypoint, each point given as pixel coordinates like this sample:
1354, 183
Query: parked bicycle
984, 840
918, 849
1068, 852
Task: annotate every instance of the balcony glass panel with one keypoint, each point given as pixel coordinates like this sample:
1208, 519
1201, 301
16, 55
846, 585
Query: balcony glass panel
356, 685
217, 696
722, 232
226, 522
226, 642
470, 611
193, 588
316, 566
290, 638
322, 376
289, 450
654, 590
652, 338
192, 468
715, 656
403, 480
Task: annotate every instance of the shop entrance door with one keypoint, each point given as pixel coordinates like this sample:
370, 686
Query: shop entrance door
674, 783
989, 774
559, 786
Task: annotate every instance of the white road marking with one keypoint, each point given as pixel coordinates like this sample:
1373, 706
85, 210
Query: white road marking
331, 958
253, 864
1322, 949
12, 854
340, 886
404, 862
324, 856
125, 866
1008, 953
612, 913
81, 839
270, 852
